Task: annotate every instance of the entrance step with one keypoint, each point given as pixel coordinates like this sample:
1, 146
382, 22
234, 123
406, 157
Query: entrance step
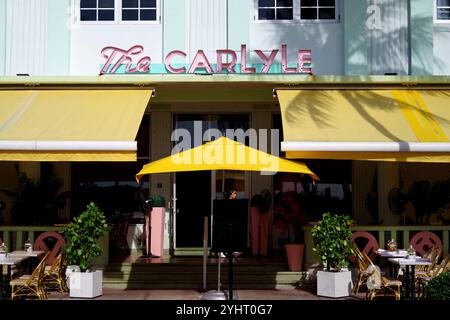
189, 274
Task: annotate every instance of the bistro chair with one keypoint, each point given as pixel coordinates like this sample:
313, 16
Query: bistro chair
31, 285
54, 274
378, 285
424, 279
363, 275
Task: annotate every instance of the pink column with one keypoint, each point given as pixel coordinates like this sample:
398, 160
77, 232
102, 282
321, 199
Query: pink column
157, 232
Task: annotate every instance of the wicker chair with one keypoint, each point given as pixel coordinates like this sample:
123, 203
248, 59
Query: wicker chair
31, 286
54, 274
379, 285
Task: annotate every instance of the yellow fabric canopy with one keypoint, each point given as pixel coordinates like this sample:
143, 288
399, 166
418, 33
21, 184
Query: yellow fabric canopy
381, 125
70, 125
223, 154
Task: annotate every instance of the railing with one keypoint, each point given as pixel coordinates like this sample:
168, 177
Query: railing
14, 238
401, 234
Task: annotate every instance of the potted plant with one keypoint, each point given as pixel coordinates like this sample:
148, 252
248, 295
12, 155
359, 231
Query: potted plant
81, 248
332, 239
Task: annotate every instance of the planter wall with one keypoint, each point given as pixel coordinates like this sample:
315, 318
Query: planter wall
334, 284
157, 232
86, 284
294, 253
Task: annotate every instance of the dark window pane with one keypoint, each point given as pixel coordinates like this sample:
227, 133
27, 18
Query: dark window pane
266, 3
308, 3
106, 3
130, 15
284, 3
284, 14
148, 3
88, 15
148, 15
443, 3
326, 13
309, 14
266, 14
443, 14
105, 15
129, 3
88, 4
327, 3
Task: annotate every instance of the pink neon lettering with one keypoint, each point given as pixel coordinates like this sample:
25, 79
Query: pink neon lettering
200, 61
284, 62
168, 62
110, 54
304, 57
244, 68
229, 66
267, 60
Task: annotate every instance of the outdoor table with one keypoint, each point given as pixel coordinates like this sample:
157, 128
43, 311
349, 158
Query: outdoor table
27, 254
409, 278
8, 261
401, 253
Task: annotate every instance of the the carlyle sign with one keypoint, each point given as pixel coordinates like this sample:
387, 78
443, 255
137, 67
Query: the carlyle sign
226, 61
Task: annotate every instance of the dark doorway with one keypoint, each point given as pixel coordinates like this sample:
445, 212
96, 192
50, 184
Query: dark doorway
193, 192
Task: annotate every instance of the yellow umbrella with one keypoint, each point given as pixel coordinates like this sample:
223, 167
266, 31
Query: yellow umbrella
224, 154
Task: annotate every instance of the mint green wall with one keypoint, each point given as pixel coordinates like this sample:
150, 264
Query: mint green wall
174, 25
421, 37
2, 36
58, 38
356, 37
239, 15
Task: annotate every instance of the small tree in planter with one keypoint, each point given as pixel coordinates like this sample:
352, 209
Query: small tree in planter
333, 243
82, 247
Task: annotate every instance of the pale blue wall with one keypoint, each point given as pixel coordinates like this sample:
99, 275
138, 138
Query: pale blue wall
421, 37
174, 25
356, 38
239, 14
2, 36
58, 38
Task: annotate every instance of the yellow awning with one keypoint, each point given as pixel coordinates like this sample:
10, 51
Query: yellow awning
223, 154
70, 125
379, 125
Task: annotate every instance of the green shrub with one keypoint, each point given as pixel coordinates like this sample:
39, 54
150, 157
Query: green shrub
332, 240
158, 201
81, 236
439, 287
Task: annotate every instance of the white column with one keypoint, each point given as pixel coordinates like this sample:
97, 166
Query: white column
388, 178
63, 172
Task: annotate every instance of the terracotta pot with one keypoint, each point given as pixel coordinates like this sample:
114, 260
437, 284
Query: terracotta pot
294, 254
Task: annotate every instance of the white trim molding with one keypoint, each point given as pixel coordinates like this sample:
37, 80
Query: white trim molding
30, 145
366, 146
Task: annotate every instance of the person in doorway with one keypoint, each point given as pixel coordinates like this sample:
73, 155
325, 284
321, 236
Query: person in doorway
230, 194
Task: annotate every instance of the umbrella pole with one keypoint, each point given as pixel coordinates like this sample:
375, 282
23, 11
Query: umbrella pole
223, 183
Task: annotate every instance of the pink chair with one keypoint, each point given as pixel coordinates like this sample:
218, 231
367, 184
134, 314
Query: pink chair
370, 247
423, 241
40, 244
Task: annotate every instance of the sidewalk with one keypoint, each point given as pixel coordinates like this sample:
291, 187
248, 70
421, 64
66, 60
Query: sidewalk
120, 294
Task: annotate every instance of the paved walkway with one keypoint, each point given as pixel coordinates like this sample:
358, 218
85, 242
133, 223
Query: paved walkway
120, 294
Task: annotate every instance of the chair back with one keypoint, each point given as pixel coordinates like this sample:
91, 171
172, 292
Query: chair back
39, 271
423, 241
41, 245
370, 246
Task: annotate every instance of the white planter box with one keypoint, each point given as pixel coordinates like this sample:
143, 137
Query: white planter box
86, 284
334, 284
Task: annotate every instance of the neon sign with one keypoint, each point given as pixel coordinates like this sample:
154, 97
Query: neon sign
226, 61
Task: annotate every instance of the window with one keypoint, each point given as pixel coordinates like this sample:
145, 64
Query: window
443, 10
97, 10
317, 9
138, 10
275, 9
296, 11
117, 11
